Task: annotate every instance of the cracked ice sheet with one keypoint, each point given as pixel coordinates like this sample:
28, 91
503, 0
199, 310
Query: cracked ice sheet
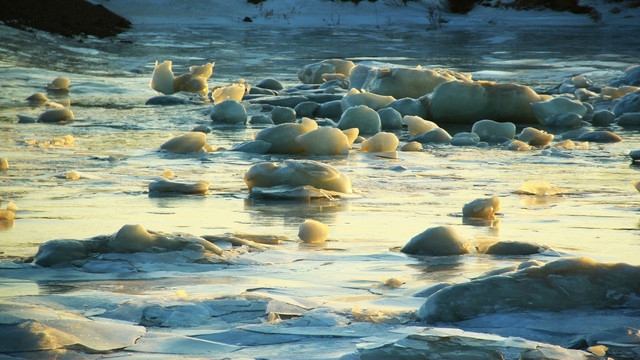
167, 343
557, 328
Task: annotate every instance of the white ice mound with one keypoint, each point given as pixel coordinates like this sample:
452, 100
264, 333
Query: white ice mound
8, 215
559, 285
535, 137
417, 125
517, 145
362, 117
409, 82
465, 139
437, 241
228, 112
59, 83
312, 73
514, 248
132, 238
234, 91
547, 111
489, 130
380, 142
185, 144
436, 135
628, 103
374, 101
283, 137
352, 134
324, 141
56, 116
129, 239
468, 102
296, 173
163, 80
482, 208
163, 186
312, 231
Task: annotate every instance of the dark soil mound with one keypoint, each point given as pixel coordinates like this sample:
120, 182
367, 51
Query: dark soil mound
66, 17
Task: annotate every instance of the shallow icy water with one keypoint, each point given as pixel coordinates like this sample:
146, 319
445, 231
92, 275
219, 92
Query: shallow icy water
116, 143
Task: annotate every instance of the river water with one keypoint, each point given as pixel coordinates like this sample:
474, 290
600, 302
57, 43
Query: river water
116, 141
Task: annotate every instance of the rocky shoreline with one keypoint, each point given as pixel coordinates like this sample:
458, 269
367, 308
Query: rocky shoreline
64, 17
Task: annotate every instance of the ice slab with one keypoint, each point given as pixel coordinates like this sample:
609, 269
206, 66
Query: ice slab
167, 343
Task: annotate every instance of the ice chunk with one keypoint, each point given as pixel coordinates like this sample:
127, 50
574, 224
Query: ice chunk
482, 208
581, 81
437, 135
168, 186
185, 144
465, 139
256, 146
56, 116
229, 112
312, 73
204, 71
362, 117
514, 248
437, 241
282, 114
489, 130
283, 137
324, 141
352, 134
168, 174
408, 106
417, 125
468, 102
162, 78
628, 103
539, 188
374, 101
37, 99
390, 119
616, 93
412, 146
10, 213
570, 144
297, 173
95, 336
535, 137
558, 285
191, 83
380, 142
59, 83
600, 137
545, 110
409, 82
167, 343
131, 238
234, 91
64, 251
556, 353
312, 231
517, 145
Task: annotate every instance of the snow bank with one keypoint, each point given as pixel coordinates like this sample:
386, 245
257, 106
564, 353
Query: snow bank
343, 14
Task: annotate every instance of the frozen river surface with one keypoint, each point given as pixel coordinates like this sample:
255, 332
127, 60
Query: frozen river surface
355, 296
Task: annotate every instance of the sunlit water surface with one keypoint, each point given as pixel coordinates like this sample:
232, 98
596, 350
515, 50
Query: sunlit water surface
117, 140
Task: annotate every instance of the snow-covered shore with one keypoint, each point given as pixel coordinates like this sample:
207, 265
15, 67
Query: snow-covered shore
320, 13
